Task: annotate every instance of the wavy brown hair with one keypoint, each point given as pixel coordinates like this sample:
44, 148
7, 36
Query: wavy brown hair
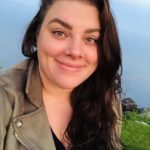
96, 108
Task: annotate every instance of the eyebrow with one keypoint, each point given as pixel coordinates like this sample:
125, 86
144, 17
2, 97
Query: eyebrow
66, 25
56, 20
92, 30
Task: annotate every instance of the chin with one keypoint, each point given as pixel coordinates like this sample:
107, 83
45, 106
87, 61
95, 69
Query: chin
69, 86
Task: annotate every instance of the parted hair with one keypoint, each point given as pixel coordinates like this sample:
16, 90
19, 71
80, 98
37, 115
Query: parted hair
95, 102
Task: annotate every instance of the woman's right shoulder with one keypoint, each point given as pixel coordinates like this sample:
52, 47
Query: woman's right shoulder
12, 75
12, 81
5, 103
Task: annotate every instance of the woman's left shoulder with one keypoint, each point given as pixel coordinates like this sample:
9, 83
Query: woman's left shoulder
117, 107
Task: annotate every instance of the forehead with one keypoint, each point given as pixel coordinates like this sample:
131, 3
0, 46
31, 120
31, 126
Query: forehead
81, 1
73, 11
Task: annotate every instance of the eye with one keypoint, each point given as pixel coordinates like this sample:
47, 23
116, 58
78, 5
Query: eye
59, 34
92, 41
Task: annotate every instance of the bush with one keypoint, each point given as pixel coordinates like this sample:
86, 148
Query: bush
135, 136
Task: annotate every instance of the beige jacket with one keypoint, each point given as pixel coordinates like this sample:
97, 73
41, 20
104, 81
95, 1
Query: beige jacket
23, 120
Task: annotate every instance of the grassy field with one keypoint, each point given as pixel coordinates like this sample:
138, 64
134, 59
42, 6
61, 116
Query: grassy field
136, 131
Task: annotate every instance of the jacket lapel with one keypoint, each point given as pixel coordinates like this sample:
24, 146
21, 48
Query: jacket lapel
33, 130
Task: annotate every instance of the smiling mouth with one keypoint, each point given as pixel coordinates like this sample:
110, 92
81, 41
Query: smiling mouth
70, 67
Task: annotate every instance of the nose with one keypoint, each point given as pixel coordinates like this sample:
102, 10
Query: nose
74, 48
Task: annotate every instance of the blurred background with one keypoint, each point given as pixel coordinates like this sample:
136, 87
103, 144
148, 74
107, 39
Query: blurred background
133, 22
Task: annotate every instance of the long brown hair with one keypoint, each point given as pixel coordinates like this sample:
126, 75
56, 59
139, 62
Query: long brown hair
95, 102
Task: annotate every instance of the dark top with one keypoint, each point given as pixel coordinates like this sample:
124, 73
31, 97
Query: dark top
58, 144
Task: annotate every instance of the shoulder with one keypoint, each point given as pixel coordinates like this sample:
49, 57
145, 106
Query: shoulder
5, 106
118, 111
12, 81
14, 70
12, 77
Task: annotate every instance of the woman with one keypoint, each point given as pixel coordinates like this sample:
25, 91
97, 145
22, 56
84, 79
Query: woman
65, 96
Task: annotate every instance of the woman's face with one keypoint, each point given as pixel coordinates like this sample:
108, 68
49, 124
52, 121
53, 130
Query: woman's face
67, 43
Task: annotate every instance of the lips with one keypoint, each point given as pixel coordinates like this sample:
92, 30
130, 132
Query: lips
70, 67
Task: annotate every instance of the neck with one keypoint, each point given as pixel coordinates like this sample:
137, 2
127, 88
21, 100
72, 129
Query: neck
53, 92
57, 95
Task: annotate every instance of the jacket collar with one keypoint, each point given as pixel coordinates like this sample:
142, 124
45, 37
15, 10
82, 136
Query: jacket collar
34, 84
33, 129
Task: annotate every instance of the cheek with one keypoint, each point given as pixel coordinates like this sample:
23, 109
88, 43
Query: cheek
50, 46
92, 56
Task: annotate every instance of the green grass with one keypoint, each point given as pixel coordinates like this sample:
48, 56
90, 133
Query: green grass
135, 136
